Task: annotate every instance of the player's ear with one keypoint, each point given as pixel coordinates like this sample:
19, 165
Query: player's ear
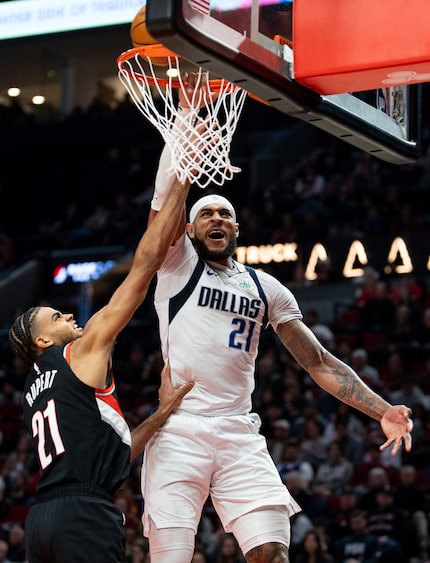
237, 229
44, 342
190, 230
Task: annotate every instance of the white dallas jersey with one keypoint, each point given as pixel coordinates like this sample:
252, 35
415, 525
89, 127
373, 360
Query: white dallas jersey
210, 321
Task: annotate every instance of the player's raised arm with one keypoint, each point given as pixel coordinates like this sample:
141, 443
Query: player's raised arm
196, 89
104, 325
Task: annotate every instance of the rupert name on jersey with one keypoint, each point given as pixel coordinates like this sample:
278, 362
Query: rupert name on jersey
44, 381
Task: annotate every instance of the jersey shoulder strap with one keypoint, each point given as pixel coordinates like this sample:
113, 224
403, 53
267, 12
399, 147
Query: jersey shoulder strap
254, 276
178, 300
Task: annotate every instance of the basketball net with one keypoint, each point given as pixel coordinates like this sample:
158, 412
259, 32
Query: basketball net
199, 154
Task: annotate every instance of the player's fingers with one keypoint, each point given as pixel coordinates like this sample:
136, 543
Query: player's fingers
396, 447
187, 387
408, 442
386, 444
193, 81
183, 390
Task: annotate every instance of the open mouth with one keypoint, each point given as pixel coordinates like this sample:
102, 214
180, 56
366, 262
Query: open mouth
216, 235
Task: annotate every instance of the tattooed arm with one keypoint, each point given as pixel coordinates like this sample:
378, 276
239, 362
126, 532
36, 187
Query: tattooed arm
338, 379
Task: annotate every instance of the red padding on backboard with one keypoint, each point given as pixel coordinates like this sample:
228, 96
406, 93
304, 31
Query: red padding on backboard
354, 45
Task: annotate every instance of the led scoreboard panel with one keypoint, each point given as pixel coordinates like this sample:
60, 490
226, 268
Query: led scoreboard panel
26, 18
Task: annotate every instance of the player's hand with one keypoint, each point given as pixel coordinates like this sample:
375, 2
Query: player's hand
196, 92
169, 396
397, 426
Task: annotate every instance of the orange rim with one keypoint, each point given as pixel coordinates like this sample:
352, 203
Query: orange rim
157, 50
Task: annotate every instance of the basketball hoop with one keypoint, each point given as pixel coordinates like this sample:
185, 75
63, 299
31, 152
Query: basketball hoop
208, 161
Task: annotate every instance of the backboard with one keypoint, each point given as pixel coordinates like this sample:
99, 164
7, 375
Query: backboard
251, 43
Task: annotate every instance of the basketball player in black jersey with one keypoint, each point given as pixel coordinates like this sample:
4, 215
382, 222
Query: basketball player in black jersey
71, 410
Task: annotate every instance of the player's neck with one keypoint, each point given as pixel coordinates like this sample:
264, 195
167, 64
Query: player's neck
227, 262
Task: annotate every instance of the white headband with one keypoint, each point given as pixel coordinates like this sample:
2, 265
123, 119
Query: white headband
212, 199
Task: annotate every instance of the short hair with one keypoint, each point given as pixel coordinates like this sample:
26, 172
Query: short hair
21, 337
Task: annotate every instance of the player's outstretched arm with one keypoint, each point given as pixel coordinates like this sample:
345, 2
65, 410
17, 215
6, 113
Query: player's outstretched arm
91, 352
169, 400
338, 379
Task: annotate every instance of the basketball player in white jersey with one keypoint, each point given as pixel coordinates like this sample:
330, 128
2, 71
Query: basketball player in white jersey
211, 310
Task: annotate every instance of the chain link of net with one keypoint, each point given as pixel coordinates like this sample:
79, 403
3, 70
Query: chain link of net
200, 154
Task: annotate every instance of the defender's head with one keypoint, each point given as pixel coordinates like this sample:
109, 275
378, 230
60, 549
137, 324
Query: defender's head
40, 328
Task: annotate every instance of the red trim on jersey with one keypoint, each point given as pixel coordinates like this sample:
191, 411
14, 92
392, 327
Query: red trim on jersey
66, 352
106, 395
108, 391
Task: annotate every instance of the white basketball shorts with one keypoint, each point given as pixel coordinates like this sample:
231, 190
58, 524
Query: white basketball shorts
225, 457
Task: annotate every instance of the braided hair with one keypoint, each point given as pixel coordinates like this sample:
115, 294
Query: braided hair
21, 338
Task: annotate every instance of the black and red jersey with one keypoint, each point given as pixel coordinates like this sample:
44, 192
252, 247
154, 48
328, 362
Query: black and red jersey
79, 433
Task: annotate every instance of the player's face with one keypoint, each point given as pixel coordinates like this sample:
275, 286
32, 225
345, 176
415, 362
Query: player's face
53, 328
214, 232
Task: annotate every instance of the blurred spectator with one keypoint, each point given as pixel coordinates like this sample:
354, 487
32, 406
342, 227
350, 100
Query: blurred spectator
122, 221
409, 394
97, 222
393, 371
344, 349
364, 477
350, 443
407, 291
359, 546
228, 550
313, 447
368, 373
278, 439
4, 548
294, 402
208, 532
341, 506
403, 333
410, 498
377, 313
377, 480
321, 330
310, 411
390, 525
333, 474
291, 461
139, 552
309, 185
199, 557
301, 524
406, 221
67, 230
16, 540
22, 458
18, 491
285, 232
312, 504
311, 550
367, 287
373, 222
